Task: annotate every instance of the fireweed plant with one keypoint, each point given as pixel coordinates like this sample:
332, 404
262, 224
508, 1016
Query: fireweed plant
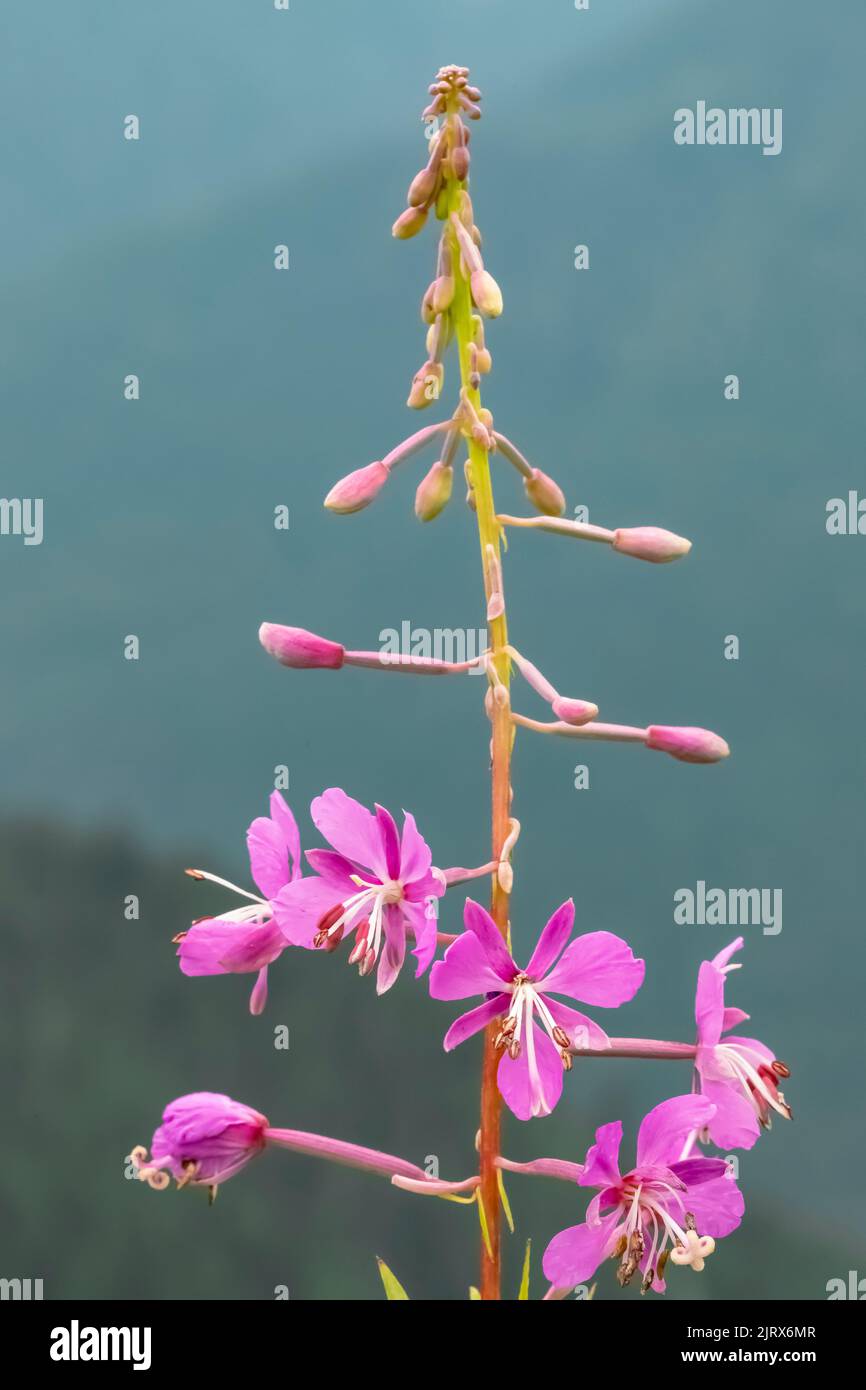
373, 891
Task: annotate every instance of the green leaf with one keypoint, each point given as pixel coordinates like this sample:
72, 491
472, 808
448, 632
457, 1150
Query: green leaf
393, 1288
503, 1195
482, 1218
523, 1292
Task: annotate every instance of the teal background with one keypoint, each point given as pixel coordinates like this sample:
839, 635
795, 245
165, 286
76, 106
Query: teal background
260, 389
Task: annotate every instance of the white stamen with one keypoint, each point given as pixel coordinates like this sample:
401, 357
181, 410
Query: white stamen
369, 902
224, 883
742, 1070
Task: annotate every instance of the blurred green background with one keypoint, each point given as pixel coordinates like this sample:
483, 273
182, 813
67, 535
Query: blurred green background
261, 388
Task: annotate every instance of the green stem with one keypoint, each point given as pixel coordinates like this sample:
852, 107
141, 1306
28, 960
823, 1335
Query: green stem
502, 734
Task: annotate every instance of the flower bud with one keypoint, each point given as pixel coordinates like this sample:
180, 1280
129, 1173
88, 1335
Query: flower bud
483, 361
438, 336
357, 489
460, 162
423, 186
544, 494
295, 647
428, 313
409, 223
573, 711
426, 385
689, 745
486, 293
650, 543
472, 111
470, 490
442, 293
434, 491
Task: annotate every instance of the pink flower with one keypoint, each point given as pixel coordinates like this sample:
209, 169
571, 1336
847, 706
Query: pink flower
597, 968
204, 1139
667, 1206
739, 1075
247, 938
375, 882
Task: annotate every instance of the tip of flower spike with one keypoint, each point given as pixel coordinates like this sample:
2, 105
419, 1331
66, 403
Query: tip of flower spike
650, 543
689, 745
295, 647
357, 490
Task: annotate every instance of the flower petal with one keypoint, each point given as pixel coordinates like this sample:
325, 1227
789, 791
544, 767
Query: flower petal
602, 1159
335, 869
694, 1171
424, 924
415, 856
531, 1084
598, 968
393, 951
724, 956
756, 1051
665, 1129
582, 1031
573, 1256
484, 927
429, 885
717, 1206
215, 947
259, 995
269, 856
709, 1004
464, 970
350, 828
551, 941
390, 841
300, 907
282, 817
735, 1124
467, 1025
732, 1017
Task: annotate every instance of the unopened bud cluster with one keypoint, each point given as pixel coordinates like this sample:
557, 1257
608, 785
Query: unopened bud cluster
440, 188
